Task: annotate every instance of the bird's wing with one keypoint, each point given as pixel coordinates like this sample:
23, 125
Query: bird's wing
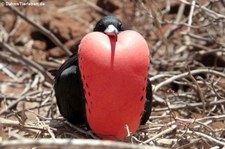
69, 92
148, 103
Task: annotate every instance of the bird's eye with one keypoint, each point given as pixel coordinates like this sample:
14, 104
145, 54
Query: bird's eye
101, 25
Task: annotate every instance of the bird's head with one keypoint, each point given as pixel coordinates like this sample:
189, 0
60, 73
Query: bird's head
109, 25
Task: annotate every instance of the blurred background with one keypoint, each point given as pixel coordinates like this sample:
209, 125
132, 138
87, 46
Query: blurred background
187, 43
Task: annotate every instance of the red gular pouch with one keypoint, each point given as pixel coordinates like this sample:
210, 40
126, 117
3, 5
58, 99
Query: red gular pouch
114, 76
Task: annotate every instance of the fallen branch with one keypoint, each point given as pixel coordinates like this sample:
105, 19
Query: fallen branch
70, 144
34, 66
173, 127
205, 136
186, 74
190, 105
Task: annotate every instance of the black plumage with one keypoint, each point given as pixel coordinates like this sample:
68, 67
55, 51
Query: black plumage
148, 103
69, 89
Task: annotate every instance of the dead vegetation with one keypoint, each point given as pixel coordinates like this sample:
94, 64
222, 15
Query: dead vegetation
187, 68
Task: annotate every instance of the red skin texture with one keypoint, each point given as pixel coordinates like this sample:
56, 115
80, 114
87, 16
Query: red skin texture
114, 75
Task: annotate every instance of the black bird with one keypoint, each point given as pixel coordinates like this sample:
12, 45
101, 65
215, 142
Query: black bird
68, 84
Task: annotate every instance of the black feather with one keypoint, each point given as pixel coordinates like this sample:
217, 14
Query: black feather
69, 92
148, 103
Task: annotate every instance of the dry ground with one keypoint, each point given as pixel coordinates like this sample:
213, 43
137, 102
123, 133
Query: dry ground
187, 42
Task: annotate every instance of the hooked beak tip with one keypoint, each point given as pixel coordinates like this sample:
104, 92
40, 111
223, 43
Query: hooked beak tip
111, 30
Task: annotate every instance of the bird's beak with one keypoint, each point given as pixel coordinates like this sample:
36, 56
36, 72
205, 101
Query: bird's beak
111, 30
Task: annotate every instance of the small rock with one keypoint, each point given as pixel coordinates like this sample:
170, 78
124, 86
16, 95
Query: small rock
39, 45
